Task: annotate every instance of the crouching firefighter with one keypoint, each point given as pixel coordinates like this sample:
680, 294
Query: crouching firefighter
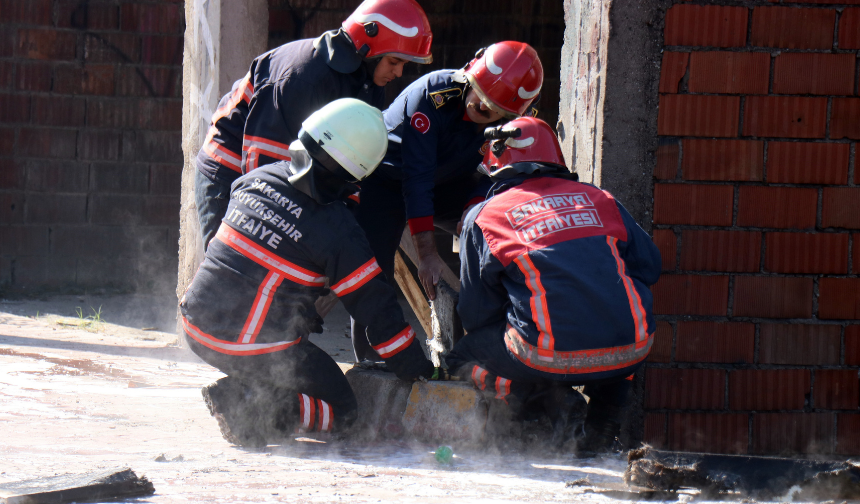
250, 307
554, 290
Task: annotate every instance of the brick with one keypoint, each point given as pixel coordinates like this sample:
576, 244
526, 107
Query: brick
809, 73
709, 432
852, 345
149, 81
57, 176
706, 25
151, 18
729, 72
47, 143
47, 44
152, 146
843, 118
839, 298
11, 174
117, 273
792, 433
773, 297
691, 295
806, 253
381, 402
14, 108
704, 205
7, 75
7, 141
161, 115
112, 48
723, 159
58, 111
672, 70
791, 28
668, 245
684, 388
768, 389
849, 29
11, 208
807, 163
730, 342
847, 434
105, 241
661, 350
855, 263
46, 208
777, 207
655, 430
87, 16
667, 161
23, 240
161, 211
34, 77
165, 179
799, 344
785, 117
86, 79
697, 115
44, 271
99, 144
444, 410
120, 178
836, 389
8, 41
706, 250
31, 12
161, 50
841, 207
113, 113
116, 209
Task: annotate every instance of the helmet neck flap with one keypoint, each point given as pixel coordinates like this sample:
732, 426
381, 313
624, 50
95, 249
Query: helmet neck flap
316, 174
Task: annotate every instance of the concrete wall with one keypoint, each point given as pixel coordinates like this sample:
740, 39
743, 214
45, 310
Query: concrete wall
89, 134
756, 212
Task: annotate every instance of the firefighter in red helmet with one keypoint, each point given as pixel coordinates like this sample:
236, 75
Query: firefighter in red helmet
258, 119
435, 141
553, 290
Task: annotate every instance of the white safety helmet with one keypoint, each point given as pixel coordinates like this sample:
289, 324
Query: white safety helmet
351, 132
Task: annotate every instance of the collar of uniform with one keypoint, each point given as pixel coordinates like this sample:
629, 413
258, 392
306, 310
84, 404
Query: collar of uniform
339, 51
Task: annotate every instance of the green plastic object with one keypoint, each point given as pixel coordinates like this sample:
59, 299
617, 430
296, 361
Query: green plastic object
444, 454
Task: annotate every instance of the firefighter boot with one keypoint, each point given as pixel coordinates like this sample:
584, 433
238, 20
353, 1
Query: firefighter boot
233, 404
566, 409
602, 428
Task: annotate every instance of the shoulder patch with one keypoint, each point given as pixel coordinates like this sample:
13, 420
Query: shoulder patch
442, 96
420, 122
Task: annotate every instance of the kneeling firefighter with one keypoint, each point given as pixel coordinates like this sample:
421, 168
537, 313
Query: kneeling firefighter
250, 307
554, 290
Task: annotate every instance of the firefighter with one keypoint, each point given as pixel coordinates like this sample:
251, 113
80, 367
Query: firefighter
554, 289
256, 121
435, 141
250, 307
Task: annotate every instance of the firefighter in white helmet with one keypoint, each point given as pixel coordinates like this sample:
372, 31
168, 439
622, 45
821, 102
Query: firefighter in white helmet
286, 235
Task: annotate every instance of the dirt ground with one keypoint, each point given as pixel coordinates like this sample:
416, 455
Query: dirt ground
84, 390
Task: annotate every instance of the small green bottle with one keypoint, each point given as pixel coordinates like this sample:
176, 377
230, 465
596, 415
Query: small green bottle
444, 454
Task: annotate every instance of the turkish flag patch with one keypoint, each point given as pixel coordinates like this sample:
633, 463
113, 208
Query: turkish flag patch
420, 122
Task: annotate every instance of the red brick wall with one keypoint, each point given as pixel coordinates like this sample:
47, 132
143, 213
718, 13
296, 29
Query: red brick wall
90, 158
459, 29
756, 203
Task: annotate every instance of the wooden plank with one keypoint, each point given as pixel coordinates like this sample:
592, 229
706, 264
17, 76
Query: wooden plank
93, 487
413, 293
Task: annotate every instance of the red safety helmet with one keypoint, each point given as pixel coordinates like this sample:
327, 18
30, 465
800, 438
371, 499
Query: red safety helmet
524, 145
391, 28
507, 77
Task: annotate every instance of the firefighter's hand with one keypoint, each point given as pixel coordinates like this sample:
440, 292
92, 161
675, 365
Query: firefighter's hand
429, 272
429, 263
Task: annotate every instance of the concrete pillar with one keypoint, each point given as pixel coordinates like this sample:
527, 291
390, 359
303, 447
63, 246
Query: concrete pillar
221, 39
608, 112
